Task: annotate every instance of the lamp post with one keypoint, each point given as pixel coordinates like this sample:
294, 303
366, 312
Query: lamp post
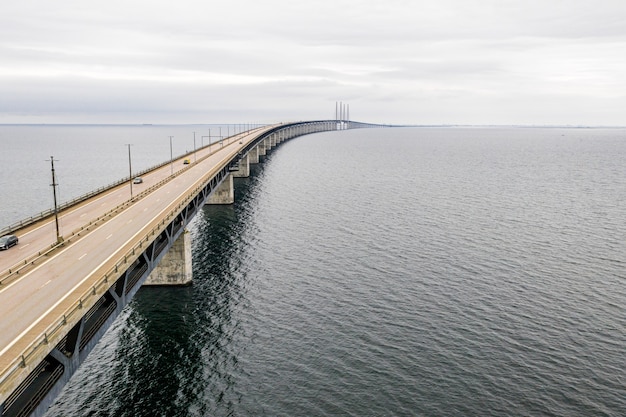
171, 157
195, 159
130, 172
54, 195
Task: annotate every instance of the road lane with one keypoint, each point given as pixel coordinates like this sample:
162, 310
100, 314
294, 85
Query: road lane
41, 236
32, 304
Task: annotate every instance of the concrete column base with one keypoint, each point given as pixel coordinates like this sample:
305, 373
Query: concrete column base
175, 266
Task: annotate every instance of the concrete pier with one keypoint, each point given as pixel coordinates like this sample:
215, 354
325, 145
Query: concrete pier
243, 170
253, 155
224, 193
40, 352
175, 266
261, 148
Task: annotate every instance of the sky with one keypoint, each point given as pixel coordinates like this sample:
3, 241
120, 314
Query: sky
482, 62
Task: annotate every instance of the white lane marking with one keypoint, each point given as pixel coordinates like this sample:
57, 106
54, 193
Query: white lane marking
87, 276
130, 221
49, 281
23, 246
83, 215
109, 236
146, 209
82, 256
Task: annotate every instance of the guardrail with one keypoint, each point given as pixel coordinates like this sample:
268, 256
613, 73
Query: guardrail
17, 268
46, 213
52, 335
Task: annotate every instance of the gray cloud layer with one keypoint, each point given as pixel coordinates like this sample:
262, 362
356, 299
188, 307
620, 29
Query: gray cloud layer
450, 61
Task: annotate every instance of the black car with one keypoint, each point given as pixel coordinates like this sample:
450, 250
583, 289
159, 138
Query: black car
7, 241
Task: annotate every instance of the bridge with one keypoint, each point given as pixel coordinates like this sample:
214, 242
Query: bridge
58, 298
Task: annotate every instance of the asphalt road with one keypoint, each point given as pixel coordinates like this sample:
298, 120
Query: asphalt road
34, 301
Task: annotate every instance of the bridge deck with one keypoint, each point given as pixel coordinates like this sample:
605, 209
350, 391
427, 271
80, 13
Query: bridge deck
37, 298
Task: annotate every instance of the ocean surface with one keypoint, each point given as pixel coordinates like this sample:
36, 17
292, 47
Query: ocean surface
371, 272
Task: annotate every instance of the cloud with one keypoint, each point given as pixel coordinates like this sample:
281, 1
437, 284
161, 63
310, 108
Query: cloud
399, 61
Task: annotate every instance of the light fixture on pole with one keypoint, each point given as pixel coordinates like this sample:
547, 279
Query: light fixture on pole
54, 195
130, 172
171, 156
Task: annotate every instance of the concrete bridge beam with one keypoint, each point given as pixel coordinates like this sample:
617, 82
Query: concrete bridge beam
31, 388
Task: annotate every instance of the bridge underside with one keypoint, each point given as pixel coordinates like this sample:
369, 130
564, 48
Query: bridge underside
36, 392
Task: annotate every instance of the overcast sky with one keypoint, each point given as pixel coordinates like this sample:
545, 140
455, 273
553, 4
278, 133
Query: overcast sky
243, 61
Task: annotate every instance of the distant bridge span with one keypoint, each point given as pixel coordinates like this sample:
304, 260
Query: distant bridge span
58, 299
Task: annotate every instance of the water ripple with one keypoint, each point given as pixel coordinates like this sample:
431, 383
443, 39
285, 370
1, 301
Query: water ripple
447, 272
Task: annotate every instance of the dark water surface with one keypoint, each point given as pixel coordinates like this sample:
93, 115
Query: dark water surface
390, 272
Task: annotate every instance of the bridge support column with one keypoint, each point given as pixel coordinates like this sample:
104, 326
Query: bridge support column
261, 148
253, 155
224, 193
244, 168
175, 266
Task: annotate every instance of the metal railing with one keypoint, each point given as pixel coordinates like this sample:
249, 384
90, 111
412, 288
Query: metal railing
46, 341
47, 213
52, 335
17, 268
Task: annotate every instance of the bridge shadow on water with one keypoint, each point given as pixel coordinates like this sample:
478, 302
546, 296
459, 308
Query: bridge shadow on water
171, 352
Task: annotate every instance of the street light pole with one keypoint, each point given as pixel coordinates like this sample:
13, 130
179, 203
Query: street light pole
171, 156
56, 208
195, 159
130, 172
